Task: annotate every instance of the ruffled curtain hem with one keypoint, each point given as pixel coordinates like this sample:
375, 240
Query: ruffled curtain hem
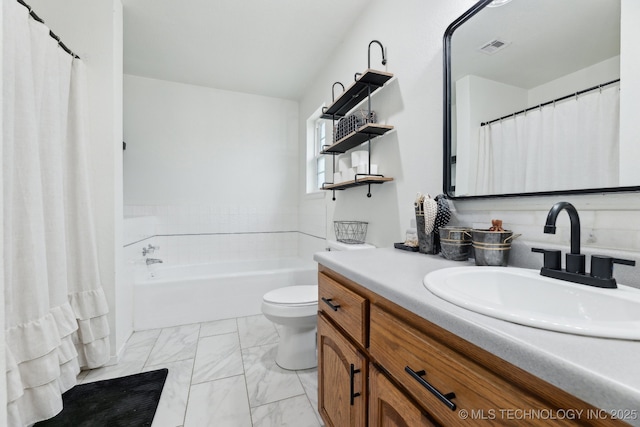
44, 356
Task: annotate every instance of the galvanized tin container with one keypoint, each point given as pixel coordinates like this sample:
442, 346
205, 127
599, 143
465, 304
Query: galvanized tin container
492, 247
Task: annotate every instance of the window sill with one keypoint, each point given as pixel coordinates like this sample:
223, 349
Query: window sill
318, 194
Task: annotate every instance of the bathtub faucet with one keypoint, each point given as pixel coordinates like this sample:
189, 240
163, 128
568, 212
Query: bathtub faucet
153, 261
149, 249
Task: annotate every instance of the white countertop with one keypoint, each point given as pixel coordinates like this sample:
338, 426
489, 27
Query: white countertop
603, 372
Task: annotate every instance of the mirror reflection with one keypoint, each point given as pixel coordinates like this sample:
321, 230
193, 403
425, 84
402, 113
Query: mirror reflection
535, 99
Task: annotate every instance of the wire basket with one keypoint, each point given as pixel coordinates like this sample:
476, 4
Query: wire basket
351, 232
352, 123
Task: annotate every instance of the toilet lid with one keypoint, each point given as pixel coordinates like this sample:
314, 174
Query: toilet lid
293, 295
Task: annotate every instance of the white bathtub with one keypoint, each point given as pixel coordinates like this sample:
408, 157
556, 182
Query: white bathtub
179, 295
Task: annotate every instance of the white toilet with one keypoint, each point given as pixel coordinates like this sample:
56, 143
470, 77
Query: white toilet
295, 309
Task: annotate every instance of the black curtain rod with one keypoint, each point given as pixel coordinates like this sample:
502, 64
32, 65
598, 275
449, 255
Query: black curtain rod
600, 86
51, 33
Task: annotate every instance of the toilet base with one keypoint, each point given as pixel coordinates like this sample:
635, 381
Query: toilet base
297, 348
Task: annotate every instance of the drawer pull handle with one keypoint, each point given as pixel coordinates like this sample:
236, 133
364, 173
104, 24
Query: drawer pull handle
353, 395
444, 398
328, 302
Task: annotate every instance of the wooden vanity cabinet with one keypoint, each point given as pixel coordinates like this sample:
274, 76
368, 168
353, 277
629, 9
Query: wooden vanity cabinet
407, 371
389, 406
342, 378
345, 308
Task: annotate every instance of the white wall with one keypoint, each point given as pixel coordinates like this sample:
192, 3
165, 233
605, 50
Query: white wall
609, 221
593, 75
413, 153
217, 168
630, 95
94, 31
192, 145
412, 31
3, 378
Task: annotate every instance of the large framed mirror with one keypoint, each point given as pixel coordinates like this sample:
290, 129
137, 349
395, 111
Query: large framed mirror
532, 93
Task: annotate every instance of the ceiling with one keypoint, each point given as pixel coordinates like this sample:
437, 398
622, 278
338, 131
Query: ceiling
272, 48
546, 39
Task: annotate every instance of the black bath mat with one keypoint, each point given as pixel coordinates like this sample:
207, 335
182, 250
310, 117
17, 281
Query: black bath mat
129, 401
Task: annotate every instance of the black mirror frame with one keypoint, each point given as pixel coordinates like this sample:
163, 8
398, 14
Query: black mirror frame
446, 166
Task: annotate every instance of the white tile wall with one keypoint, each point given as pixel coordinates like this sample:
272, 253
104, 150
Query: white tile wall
204, 248
198, 219
313, 217
207, 233
308, 245
616, 230
137, 228
602, 231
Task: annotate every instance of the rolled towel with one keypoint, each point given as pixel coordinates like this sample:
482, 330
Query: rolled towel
430, 213
444, 212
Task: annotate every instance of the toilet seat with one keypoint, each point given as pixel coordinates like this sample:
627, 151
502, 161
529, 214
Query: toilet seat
293, 296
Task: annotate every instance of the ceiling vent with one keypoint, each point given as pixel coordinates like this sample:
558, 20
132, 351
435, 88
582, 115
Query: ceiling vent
493, 46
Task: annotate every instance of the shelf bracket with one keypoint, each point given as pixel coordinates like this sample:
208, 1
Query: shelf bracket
333, 96
384, 60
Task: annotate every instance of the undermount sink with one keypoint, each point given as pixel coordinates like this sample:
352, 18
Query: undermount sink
525, 297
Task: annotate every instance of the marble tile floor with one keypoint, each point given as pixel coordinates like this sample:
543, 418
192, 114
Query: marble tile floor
221, 374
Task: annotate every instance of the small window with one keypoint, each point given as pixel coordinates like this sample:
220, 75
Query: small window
317, 139
320, 141
321, 173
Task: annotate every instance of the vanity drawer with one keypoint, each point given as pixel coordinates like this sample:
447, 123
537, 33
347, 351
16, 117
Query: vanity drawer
345, 307
437, 369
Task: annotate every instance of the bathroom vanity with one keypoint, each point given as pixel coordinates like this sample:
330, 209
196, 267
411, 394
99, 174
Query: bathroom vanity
392, 353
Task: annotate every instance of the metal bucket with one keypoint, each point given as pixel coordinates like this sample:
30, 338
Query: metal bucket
493, 237
494, 256
428, 243
492, 247
455, 250
458, 234
455, 243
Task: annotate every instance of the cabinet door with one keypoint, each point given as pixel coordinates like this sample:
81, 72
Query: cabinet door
389, 407
342, 379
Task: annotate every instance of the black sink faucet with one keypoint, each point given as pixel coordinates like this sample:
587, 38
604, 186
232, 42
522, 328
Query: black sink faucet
601, 266
575, 260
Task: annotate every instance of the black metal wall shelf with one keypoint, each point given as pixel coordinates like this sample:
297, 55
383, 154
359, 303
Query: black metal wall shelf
364, 133
360, 90
364, 86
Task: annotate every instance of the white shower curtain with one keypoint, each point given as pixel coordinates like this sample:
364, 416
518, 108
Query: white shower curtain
570, 145
55, 308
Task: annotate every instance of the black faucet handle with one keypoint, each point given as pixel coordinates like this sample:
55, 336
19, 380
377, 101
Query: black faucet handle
602, 265
551, 258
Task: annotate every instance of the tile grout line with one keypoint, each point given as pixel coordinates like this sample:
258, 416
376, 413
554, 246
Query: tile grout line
198, 351
193, 368
244, 372
280, 400
315, 411
146, 361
